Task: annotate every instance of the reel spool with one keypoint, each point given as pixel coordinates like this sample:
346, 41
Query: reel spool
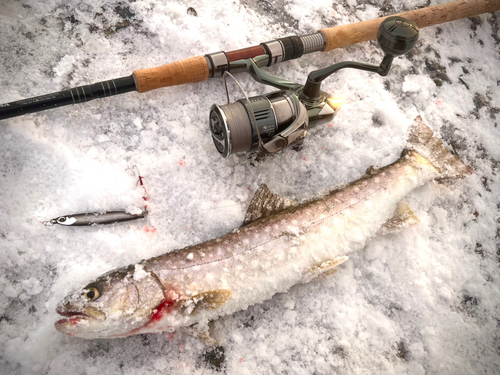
269, 123
245, 125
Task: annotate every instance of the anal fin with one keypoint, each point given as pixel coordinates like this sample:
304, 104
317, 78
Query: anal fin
403, 217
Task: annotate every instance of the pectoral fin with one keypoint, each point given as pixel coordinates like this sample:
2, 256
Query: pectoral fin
326, 268
403, 217
265, 203
210, 300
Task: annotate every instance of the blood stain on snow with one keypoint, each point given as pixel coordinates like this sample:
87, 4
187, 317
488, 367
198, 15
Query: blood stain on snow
181, 162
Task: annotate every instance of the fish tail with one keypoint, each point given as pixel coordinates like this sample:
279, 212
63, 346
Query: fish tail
425, 148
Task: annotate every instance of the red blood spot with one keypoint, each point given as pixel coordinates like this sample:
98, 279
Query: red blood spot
240, 360
304, 158
187, 227
146, 228
69, 334
248, 188
170, 336
330, 125
153, 230
439, 101
181, 347
181, 162
164, 308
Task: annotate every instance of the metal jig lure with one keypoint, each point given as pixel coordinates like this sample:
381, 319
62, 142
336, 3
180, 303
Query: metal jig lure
104, 217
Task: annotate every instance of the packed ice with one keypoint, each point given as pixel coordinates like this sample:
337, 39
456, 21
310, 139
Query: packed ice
424, 300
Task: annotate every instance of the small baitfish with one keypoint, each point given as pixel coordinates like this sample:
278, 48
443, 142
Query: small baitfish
280, 244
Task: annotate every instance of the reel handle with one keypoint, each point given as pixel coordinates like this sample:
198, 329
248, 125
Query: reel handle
396, 36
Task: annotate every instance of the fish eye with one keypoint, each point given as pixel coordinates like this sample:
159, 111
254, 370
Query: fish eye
91, 293
62, 219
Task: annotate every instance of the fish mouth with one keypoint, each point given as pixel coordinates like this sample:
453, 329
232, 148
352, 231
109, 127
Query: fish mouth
72, 313
72, 317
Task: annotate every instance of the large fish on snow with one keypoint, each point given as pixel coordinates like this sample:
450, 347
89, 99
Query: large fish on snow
280, 244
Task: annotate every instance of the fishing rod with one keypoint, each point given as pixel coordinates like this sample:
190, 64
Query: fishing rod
201, 68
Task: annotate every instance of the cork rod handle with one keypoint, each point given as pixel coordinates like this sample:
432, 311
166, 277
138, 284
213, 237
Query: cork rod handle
194, 69
345, 35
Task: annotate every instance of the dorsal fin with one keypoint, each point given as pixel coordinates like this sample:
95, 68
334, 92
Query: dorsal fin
265, 203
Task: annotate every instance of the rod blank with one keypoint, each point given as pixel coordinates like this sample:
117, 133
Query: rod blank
76, 95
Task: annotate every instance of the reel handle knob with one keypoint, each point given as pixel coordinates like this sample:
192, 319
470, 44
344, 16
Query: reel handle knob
397, 35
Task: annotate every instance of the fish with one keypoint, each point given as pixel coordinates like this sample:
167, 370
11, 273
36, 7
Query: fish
280, 244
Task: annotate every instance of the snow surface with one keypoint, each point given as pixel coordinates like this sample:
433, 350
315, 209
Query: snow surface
422, 301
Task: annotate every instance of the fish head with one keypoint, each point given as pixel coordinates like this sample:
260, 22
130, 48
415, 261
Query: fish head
113, 305
61, 220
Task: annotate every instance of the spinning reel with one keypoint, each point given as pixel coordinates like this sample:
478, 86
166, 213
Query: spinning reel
280, 119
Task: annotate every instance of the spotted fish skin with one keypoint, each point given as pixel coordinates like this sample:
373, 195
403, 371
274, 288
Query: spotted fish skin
281, 244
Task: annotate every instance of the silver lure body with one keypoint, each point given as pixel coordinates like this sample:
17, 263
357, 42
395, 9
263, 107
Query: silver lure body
266, 256
95, 218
